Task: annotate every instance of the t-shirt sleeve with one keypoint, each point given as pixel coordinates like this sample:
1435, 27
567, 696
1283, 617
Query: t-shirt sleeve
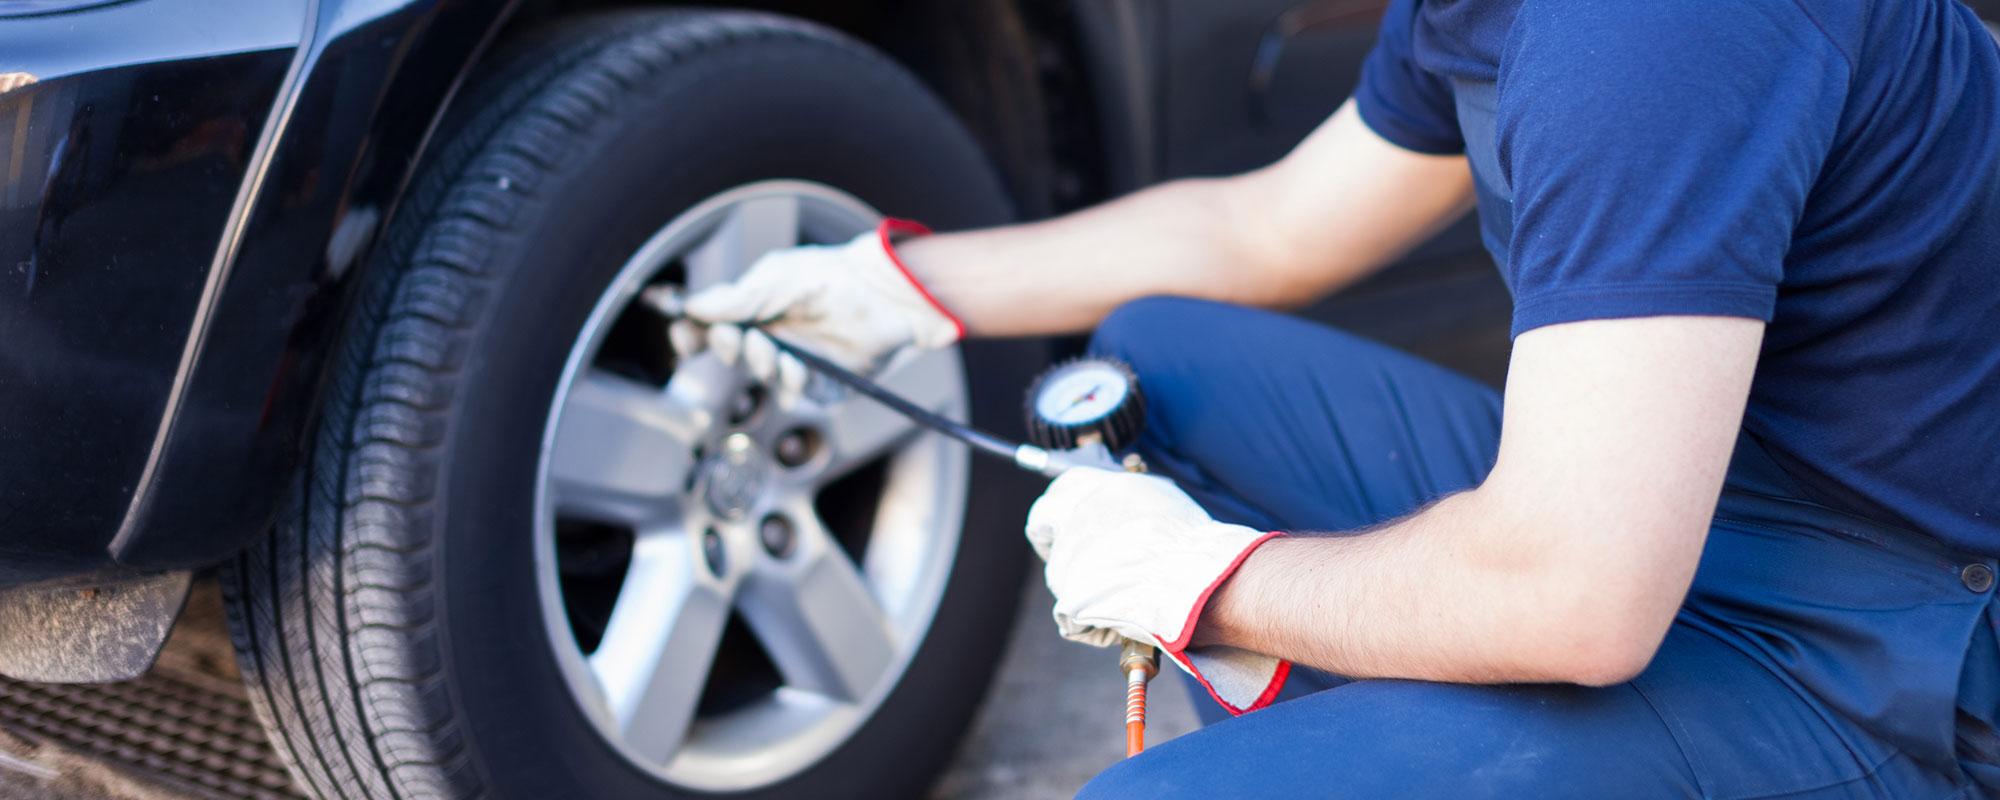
1660, 154
1407, 106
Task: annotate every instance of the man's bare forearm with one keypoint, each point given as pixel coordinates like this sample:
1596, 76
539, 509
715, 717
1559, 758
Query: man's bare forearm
1063, 275
1340, 206
1567, 564
1423, 598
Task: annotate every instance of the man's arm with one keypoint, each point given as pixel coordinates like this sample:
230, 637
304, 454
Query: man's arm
1344, 203
1567, 564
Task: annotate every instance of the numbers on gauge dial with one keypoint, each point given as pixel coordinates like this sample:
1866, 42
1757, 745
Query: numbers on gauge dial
1082, 395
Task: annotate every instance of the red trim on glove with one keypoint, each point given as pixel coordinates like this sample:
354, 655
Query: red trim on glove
891, 228
1177, 649
1264, 698
1187, 629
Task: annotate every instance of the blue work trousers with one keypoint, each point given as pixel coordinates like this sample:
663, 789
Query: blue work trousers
1818, 655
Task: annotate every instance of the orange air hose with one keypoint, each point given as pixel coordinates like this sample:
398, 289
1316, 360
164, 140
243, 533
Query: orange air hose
1140, 663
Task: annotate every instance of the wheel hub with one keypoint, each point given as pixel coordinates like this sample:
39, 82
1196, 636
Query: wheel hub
735, 478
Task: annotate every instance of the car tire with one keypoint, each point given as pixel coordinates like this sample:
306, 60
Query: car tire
389, 626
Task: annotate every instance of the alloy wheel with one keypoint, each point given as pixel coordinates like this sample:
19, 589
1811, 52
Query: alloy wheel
732, 586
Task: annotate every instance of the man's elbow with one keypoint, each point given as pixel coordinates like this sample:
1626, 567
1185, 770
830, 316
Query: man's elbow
1608, 663
1601, 641
1603, 616
1594, 594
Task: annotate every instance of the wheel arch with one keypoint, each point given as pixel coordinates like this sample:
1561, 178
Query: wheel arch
1058, 92
1055, 91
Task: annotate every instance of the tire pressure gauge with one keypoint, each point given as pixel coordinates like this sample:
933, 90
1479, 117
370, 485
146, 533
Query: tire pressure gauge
1079, 406
1087, 398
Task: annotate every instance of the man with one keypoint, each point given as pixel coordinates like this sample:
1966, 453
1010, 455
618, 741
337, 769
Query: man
1754, 251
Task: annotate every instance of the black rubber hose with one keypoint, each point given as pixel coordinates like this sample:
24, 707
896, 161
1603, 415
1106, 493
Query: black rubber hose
978, 439
671, 303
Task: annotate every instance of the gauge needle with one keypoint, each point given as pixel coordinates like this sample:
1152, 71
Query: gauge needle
1087, 397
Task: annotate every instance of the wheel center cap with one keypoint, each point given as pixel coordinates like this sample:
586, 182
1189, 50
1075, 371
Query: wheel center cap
735, 477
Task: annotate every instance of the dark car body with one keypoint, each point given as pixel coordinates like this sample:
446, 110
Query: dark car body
187, 191
190, 190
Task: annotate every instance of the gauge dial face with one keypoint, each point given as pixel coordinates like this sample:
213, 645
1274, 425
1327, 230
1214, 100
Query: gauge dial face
1082, 394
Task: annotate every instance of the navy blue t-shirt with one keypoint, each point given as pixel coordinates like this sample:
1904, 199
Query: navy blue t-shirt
1829, 166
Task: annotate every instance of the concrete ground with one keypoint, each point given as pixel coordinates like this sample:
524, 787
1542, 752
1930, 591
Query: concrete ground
1055, 715
37, 769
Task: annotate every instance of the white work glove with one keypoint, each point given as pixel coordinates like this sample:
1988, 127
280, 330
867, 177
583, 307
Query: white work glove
1131, 556
854, 304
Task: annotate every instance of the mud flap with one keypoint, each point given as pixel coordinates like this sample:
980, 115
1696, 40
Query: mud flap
90, 629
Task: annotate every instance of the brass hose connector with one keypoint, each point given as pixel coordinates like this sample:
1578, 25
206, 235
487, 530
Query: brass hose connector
1139, 663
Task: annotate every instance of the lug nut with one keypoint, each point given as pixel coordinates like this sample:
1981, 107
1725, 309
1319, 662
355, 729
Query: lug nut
776, 534
694, 470
797, 446
745, 404
711, 551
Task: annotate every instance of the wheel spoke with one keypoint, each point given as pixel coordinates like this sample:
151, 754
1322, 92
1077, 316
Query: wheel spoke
752, 229
622, 451
818, 618
860, 430
659, 645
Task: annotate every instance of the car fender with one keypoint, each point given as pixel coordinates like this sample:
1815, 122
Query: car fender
365, 94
